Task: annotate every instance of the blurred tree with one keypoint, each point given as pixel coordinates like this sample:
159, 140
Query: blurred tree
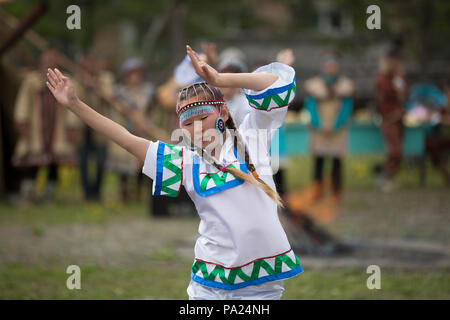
423, 24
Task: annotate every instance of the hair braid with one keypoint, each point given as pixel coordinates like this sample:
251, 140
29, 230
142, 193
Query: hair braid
240, 146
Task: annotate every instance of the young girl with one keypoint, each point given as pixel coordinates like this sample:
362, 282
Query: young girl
242, 251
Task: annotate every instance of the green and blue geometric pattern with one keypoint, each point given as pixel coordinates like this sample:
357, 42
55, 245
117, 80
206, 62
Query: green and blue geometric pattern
273, 98
217, 179
267, 269
169, 170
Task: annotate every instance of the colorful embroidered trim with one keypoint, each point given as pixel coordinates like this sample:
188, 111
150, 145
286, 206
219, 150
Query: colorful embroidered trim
273, 98
262, 270
218, 178
217, 182
169, 170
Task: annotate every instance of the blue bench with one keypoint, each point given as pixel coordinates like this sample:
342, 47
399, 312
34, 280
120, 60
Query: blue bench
363, 138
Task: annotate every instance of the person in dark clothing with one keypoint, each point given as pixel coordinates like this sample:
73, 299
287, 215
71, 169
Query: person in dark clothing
391, 94
438, 142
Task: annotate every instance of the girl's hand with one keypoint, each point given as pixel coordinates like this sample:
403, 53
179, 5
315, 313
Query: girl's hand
251, 81
204, 70
61, 87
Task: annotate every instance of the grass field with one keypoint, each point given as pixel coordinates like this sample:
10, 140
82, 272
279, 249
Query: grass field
163, 280
125, 254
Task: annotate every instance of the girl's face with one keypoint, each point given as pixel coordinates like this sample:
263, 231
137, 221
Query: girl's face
201, 129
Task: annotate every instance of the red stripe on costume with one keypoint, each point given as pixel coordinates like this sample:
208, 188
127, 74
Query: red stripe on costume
182, 149
246, 263
286, 105
218, 170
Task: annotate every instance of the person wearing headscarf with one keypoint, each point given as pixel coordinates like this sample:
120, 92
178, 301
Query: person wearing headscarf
48, 133
94, 145
329, 102
391, 95
437, 142
137, 94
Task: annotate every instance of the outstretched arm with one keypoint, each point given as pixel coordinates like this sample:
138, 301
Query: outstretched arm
63, 90
251, 81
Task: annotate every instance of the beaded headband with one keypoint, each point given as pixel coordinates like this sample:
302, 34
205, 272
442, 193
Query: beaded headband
196, 108
195, 111
198, 103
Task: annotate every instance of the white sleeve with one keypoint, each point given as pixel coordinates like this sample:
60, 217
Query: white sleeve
270, 105
164, 165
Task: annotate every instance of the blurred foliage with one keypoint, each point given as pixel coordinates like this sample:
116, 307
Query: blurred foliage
94, 15
203, 18
412, 22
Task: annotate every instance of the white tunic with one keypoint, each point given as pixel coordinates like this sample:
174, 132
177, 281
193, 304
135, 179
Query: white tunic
241, 239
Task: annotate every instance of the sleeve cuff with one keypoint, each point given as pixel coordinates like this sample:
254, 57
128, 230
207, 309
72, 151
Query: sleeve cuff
149, 168
277, 95
164, 165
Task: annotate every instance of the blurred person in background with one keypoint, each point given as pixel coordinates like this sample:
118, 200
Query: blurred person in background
329, 102
438, 142
94, 146
166, 95
391, 95
232, 60
48, 132
138, 94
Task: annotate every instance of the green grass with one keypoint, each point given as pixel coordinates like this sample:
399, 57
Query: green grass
163, 274
169, 280
69, 205
162, 281
350, 283
66, 213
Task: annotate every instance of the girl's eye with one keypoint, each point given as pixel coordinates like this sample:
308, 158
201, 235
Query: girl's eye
188, 124
203, 118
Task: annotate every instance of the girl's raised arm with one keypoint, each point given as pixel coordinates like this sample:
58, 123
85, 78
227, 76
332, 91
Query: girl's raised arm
63, 90
251, 81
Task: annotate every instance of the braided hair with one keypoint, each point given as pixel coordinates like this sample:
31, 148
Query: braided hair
205, 91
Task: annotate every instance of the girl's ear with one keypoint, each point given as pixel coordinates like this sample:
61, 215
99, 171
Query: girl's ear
224, 113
